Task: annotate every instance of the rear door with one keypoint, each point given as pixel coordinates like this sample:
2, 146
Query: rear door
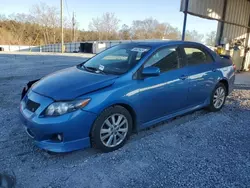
201, 74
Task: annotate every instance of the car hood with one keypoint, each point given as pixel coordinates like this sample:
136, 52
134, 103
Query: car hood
70, 83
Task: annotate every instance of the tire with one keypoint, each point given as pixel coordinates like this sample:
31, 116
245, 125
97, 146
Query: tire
220, 87
107, 133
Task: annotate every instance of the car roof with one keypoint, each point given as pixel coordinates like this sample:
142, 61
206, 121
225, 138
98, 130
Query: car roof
166, 43
158, 44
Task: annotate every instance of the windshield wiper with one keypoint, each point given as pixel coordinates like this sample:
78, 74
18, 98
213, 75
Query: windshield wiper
93, 69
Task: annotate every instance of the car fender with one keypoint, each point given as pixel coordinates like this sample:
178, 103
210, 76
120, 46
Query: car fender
107, 97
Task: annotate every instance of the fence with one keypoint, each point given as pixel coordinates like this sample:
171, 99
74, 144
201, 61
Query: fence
18, 48
97, 46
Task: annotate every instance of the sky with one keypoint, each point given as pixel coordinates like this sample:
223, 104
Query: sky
126, 10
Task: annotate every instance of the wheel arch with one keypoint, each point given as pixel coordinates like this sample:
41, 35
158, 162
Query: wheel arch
131, 111
125, 105
225, 82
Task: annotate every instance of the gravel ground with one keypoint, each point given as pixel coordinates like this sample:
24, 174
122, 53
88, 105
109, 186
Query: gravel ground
200, 149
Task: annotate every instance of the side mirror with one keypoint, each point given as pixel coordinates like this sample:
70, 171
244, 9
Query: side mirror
151, 71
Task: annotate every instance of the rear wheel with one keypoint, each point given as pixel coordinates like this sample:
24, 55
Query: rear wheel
218, 97
111, 129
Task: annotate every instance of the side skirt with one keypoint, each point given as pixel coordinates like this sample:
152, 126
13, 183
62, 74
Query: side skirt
170, 116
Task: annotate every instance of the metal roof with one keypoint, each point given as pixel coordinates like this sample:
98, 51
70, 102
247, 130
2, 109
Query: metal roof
237, 11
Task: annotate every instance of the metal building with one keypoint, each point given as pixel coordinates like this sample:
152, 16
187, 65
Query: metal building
233, 18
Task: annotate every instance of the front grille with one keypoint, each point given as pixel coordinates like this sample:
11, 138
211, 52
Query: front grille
32, 106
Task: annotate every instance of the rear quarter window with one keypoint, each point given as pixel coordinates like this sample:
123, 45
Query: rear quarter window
196, 56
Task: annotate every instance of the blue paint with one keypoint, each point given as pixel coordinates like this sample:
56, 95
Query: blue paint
152, 98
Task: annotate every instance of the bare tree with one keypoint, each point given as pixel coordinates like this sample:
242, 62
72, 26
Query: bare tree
210, 38
47, 17
88, 35
106, 26
40, 26
194, 36
18, 30
125, 32
144, 29
152, 29
172, 32
5, 36
3, 17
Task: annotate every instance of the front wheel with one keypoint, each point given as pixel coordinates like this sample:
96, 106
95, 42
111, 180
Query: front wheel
218, 98
111, 129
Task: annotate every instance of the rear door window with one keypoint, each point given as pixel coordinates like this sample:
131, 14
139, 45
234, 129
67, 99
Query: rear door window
196, 56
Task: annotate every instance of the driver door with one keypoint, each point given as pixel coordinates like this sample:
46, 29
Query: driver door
167, 93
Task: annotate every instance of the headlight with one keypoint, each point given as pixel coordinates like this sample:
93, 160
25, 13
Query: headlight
60, 108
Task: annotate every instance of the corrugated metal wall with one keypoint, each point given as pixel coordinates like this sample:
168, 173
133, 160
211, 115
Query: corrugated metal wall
237, 11
205, 8
233, 32
236, 17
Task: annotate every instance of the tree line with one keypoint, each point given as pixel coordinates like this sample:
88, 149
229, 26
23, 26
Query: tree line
42, 26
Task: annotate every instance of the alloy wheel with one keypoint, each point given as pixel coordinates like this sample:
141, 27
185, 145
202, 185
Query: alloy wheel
219, 97
114, 130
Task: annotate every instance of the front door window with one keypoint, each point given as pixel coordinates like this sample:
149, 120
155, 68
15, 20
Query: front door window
165, 59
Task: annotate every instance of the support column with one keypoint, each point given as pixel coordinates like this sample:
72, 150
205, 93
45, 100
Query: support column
221, 29
185, 20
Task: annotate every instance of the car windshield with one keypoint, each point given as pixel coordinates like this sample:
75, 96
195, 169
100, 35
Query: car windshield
117, 60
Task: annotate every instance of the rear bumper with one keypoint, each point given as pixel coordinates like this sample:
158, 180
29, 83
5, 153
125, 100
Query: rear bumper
231, 84
74, 127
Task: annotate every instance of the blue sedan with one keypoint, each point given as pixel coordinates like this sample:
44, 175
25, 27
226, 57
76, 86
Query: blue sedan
126, 88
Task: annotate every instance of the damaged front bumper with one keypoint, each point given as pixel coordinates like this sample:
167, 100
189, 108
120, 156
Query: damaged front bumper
73, 128
27, 87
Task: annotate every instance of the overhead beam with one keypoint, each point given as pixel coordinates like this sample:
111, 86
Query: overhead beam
220, 20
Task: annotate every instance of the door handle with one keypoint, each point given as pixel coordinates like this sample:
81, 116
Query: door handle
183, 77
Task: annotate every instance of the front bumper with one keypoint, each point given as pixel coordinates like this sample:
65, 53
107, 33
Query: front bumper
74, 127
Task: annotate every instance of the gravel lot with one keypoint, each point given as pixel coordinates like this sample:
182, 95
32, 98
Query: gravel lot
200, 149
